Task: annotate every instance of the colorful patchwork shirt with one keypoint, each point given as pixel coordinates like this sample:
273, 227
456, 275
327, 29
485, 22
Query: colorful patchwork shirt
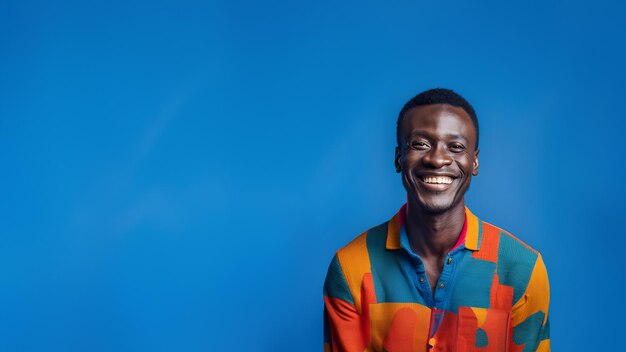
492, 295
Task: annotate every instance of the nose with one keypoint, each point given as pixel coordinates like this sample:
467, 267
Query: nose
438, 157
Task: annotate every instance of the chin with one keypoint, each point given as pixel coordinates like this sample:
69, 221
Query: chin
435, 207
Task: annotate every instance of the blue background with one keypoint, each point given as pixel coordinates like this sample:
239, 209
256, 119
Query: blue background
176, 176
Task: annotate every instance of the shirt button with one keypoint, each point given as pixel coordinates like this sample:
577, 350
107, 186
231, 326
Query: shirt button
449, 260
421, 279
441, 285
431, 342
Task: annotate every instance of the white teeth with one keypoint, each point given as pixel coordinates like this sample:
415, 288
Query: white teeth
438, 180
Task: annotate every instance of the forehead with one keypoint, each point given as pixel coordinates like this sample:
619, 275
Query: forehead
438, 120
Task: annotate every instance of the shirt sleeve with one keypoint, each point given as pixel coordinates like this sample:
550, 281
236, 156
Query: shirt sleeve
529, 318
342, 321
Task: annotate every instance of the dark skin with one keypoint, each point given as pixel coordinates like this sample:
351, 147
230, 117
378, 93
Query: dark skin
437, 157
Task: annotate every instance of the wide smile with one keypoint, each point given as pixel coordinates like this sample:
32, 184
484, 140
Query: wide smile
436, 183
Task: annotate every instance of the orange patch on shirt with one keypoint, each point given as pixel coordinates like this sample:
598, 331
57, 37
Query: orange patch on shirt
489, 245
400, 336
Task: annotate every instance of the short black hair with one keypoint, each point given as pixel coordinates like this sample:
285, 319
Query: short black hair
438, 96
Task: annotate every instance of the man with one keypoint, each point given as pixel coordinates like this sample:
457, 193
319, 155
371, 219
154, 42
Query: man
435, 277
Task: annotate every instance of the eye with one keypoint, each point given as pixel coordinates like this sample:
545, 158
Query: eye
456, 147
419, 145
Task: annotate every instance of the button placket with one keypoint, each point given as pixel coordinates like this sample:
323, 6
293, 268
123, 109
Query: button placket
444, 278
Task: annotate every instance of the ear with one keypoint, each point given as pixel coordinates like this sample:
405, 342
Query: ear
396, 160
475, 163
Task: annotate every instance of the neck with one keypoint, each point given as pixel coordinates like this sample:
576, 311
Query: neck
434, 235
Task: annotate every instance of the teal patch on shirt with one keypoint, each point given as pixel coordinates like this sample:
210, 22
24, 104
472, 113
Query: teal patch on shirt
526, 332
515, 265
544, 334
393, 274
335, 285
472, 287
481, 338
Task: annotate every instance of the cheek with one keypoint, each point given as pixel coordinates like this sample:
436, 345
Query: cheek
465, 163
410, 159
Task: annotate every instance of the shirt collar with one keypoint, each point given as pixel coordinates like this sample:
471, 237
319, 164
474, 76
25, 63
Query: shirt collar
472, 228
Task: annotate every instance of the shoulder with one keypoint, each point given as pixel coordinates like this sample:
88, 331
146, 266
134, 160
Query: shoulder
354, 258
351, 265
358, 249
516, 261
507, 237
509, 248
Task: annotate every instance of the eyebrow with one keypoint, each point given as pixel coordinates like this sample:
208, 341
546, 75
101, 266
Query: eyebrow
448, 136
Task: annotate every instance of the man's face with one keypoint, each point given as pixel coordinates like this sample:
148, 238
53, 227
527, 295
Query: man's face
436, 156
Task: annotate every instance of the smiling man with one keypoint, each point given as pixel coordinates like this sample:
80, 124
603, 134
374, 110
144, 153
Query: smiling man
435, 277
